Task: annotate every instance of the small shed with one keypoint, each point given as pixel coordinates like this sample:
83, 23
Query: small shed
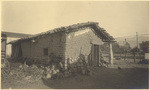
9, 36
67, 42
3, 46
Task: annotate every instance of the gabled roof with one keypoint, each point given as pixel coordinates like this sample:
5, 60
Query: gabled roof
100, 32
14, 35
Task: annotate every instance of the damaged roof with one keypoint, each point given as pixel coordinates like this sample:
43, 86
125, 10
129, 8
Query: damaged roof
100, 32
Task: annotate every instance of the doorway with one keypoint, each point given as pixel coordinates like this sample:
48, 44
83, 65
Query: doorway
95, 55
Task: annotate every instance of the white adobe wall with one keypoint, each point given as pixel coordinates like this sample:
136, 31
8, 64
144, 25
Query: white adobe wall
8, 46
80, 42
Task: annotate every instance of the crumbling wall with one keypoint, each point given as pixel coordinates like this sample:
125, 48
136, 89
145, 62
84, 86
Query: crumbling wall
33, 49
78, 43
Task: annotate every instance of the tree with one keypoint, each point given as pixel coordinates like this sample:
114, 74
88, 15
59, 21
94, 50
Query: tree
144, 46
116, 47
134, 51
126, 48
122, 50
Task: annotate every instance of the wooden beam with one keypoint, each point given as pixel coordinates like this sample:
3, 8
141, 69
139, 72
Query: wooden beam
111, 57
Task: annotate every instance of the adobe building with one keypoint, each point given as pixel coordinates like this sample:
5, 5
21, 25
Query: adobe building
66, 42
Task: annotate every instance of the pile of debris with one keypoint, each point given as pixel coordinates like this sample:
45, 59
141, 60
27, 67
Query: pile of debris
33, 73
53, 73
57, 71
21, 73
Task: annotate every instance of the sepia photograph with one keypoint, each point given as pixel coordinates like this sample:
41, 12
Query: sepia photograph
74, 44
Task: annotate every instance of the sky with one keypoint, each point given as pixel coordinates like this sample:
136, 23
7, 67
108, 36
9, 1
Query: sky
118, 18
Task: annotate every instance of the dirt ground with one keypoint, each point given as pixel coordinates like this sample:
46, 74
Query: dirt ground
105, 78
130, 76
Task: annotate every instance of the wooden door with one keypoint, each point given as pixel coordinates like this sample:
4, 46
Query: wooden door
94, 56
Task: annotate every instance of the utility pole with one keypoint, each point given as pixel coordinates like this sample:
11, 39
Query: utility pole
137, 40
125, 49
137, 43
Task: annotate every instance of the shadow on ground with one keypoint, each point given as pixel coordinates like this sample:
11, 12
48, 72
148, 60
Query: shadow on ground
104, 78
